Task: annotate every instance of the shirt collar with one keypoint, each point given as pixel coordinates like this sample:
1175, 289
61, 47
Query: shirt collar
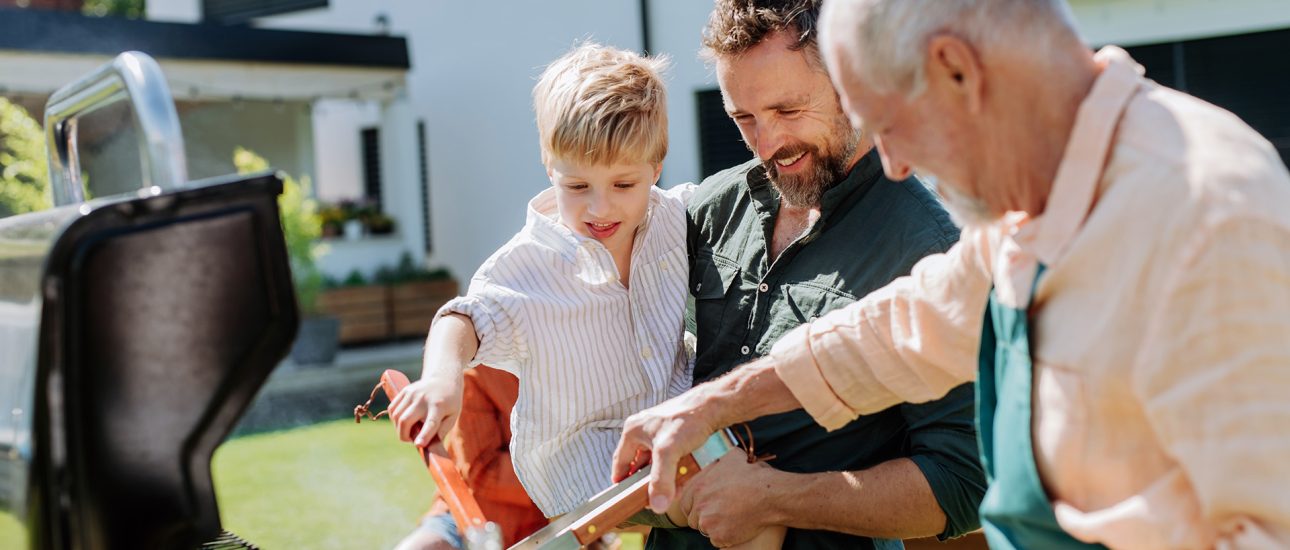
1075, 185
865, 172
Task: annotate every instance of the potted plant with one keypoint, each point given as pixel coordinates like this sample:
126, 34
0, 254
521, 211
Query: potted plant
301, 226
416, 293
379, 223
333, 220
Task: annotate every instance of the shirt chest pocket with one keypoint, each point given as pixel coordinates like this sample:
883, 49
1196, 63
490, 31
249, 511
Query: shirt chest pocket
799, 303
710, 284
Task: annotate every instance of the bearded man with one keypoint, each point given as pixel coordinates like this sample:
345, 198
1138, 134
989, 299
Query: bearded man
809, 226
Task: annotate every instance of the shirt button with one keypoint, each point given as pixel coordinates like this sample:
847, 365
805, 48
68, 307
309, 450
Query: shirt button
744, 350
663, 265
645, 352
763, 287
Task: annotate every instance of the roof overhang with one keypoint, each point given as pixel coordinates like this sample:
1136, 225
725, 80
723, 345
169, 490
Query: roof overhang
41, 51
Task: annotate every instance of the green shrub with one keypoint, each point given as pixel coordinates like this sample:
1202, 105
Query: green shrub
408, 272
355, 278
132, 9
301, 226
24, 172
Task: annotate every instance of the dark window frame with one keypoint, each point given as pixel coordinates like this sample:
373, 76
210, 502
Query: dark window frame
369, 143
721, 146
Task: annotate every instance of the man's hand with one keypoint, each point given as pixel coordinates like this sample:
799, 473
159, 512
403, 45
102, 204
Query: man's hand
665, 433
433, 402
725, 501
661, 435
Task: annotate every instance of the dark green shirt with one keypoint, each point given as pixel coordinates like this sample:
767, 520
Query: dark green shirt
871, 230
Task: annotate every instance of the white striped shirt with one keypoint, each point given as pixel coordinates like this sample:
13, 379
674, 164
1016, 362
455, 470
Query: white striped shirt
549, 308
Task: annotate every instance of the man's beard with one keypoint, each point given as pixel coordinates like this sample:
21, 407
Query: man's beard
828, 167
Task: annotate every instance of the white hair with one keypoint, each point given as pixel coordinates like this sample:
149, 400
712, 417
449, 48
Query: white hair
892, 35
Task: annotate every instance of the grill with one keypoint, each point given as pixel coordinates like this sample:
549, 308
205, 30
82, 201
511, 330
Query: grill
229, 541
137, 330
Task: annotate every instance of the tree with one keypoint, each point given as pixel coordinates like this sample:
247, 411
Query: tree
24, 172
301, 226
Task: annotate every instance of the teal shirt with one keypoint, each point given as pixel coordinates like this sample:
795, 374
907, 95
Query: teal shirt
871, 230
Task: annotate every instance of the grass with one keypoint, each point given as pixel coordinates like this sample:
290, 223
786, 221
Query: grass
334, 485
12, 532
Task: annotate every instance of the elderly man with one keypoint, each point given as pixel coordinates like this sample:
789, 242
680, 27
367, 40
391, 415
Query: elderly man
1129, 246
808, 227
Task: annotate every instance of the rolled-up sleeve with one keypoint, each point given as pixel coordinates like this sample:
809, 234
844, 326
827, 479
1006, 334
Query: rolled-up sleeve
1213, 375
943, 444
496, 316
911, 341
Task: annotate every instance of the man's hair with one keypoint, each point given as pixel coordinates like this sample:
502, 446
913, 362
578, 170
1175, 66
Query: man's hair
736, 26
892, 35
602, 105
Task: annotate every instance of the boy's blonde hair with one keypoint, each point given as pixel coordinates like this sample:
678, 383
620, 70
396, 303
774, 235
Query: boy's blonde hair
602, 105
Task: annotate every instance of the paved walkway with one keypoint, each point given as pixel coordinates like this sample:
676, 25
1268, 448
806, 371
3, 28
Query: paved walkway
297, 395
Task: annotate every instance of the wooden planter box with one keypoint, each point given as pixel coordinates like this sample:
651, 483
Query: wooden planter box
363, 312
413, 305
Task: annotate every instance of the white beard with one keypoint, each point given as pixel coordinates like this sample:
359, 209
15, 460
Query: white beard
965, 210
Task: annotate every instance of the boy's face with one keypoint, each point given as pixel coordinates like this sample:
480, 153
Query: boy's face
604, 202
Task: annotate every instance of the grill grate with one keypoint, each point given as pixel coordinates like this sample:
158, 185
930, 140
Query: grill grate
229, 541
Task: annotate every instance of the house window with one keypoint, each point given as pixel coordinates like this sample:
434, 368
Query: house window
370, 142
720, 145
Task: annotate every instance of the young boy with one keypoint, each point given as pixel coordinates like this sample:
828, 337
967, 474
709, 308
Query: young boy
585, 305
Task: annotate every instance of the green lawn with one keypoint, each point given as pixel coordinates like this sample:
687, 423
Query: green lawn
12, 533
331, 485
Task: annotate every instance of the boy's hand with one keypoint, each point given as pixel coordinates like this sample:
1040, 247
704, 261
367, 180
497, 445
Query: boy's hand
426, 409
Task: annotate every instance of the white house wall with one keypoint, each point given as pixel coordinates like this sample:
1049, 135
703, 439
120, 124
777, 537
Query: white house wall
1134, 22
337, 147
174, 11
675, 29
402, 195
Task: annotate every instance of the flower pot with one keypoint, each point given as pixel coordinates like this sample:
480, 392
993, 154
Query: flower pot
316, 342
353, 230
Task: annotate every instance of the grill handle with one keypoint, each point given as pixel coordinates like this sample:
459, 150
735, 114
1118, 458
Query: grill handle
135, 77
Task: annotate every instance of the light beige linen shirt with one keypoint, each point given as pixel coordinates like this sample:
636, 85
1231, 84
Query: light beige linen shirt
1161, 325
